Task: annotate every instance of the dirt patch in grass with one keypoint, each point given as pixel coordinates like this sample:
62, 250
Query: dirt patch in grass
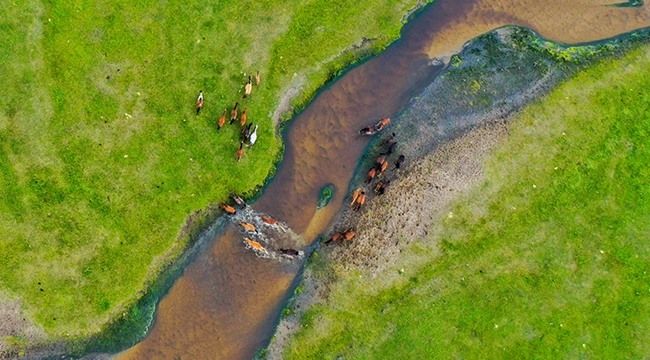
290, 94
16, 331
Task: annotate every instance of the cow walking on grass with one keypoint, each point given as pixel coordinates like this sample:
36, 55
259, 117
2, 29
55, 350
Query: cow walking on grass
253, 138
233, 114
240, 152
246, 133
222, 119
243, 118
199, 103
249, 87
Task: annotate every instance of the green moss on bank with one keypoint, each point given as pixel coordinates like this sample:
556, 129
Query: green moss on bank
547, 258
102, 158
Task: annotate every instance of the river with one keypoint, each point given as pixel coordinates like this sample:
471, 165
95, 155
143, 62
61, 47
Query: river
228, 301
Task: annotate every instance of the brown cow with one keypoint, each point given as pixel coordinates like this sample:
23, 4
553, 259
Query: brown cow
268, 220
254, 244
233, 114
227, 208
371, 175
240, 152
348, 235
249, 87
360, 201
222, 119
355, 196
248, 226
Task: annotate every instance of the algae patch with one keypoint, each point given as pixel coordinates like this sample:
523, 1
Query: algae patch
325, 196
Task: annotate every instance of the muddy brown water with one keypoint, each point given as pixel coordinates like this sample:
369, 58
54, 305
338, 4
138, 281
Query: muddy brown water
228, 301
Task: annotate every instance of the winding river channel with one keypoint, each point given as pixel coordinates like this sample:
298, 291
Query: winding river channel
228, 301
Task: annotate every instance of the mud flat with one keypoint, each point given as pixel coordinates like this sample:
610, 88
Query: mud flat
446, 133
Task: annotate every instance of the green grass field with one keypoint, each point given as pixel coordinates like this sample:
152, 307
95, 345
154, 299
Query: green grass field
102, 158
546, 259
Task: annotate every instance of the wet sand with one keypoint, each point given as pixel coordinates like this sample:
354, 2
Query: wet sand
563, 21
228, 301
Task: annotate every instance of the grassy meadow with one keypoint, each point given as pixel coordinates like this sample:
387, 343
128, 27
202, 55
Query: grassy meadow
548, 258
102, 158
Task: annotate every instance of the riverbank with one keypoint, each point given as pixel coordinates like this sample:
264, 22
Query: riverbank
108, 173
392, 248
390, 223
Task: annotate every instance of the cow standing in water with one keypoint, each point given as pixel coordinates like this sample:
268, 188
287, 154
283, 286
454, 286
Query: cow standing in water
289, 252
248, 226
199, 103
269, 220
371, 130
254, 245
382, 124
227, 208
